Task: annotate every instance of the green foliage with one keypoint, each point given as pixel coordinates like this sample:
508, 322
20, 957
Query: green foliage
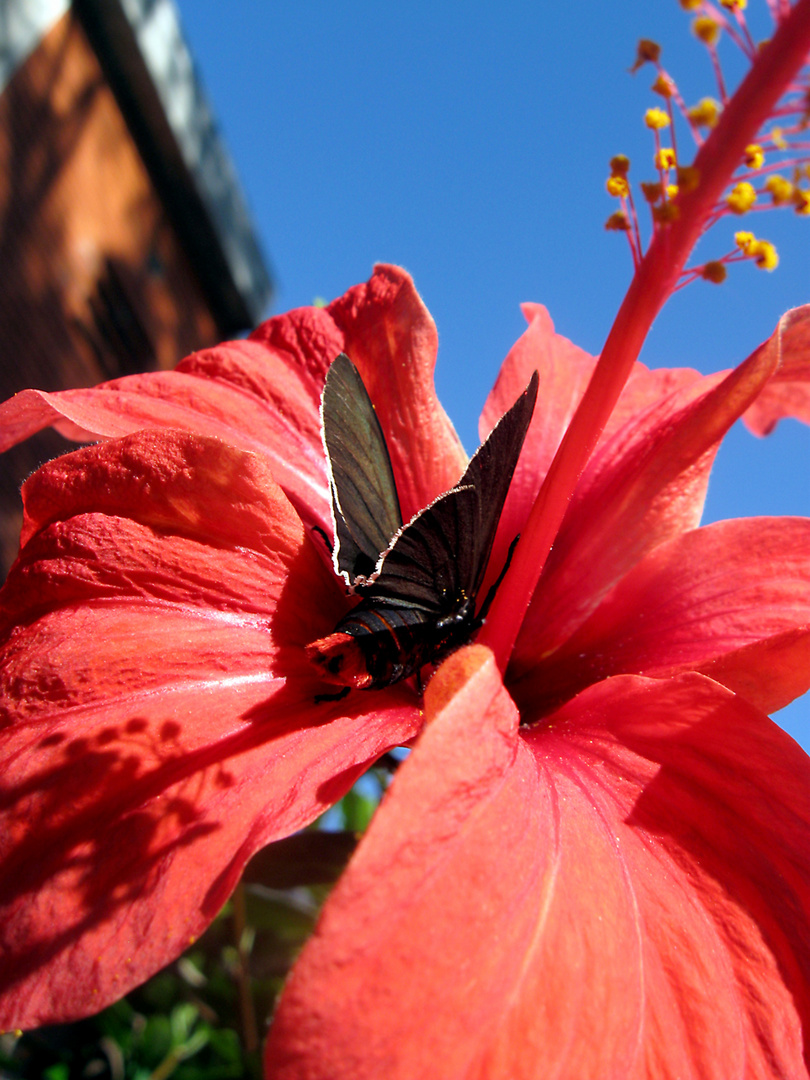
357, 810
128, 1043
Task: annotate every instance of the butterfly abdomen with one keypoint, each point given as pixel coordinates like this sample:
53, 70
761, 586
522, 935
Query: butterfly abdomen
377, 644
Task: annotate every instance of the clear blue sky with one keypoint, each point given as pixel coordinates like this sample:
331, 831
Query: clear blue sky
471, 147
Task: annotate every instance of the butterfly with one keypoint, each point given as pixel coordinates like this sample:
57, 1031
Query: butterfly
418, 582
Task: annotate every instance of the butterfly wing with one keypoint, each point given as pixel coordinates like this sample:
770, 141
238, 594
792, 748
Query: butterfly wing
364, 496
421, 569
438, 560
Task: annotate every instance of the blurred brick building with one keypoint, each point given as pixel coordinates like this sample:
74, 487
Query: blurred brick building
124, 240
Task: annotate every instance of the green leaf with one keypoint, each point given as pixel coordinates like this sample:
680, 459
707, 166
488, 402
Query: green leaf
60, 1071
358, 810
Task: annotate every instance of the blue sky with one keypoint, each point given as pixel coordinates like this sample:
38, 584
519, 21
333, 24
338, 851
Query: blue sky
471, 147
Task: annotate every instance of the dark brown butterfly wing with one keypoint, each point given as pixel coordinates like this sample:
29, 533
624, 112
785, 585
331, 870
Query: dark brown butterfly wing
364, 495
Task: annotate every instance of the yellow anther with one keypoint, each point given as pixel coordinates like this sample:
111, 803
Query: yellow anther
734, 5
705, 113
618, 187
754, 156
741, 197
665, 158
671, 190
690, 5
778, 139
761, 251
619, 165
647, 52
764, 254
618, 222
656, 119
744, 240
688, 178
714, 272
801, 198
706, 30
665, 212
780, 189
663, 85
651, 190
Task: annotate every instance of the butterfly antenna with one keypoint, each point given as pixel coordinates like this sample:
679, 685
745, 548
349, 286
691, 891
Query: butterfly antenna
482, 614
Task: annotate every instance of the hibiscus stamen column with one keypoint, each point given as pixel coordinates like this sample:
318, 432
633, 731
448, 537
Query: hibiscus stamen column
773, 72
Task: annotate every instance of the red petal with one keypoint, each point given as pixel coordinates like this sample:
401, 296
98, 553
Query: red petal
731, 600
622, 894
564, 371
264, 395
643, 486
390, 336
788, 392
710, 805
260, 397
159, 716
425, 942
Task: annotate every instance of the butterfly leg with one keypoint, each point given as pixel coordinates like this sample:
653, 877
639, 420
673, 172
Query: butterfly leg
338, 696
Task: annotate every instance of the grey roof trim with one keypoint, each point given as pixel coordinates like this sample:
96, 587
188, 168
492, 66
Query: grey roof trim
22, 24
141, 47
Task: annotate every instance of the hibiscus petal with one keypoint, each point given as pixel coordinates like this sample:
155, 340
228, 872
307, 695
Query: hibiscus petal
264, 395
255, 396
391, 337
618, 894
448, 895
731, 600
711, 805
788, 392
644, 485
564, 371
159, 717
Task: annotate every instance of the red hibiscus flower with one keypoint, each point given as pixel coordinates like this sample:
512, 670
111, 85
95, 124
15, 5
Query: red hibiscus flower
596, 860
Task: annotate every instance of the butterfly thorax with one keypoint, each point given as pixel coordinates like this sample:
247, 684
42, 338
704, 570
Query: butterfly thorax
380, 642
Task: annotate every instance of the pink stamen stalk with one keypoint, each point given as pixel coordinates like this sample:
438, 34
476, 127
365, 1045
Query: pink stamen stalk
722, 93
677, 98
738, 33
673, 128
634, 232
654, 281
